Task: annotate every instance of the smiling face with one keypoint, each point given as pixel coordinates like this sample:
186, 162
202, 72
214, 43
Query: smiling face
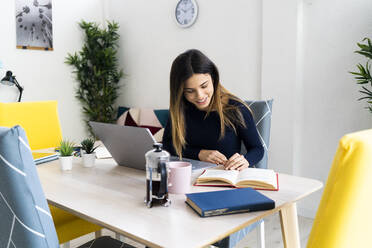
199, 90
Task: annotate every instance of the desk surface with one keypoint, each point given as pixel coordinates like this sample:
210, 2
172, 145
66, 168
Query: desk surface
113, 196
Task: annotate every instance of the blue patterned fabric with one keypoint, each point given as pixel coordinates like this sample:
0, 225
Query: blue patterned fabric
234, 238
24, 213
262, 117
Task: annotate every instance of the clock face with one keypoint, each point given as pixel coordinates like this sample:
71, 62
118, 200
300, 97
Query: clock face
186, 13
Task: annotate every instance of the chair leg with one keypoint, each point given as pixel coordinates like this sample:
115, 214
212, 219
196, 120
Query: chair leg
261, 235
65, 245
98, 233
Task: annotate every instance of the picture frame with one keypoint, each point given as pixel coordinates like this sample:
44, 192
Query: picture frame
34, 26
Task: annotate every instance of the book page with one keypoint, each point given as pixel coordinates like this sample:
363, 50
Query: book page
254, 177
228, 176
102, 152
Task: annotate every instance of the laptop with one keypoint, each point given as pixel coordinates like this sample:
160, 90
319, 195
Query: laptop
128, 145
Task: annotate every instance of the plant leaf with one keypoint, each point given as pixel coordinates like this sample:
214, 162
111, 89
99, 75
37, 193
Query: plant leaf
97, 72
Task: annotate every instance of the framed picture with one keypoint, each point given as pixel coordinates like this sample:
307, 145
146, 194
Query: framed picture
34, 27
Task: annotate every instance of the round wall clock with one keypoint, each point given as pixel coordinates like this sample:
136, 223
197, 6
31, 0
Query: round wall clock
186, 12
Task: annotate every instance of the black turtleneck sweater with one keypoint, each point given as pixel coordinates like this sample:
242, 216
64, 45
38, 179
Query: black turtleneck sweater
203, 133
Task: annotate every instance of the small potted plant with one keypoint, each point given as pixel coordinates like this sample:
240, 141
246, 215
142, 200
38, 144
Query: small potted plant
88, 154
66, 150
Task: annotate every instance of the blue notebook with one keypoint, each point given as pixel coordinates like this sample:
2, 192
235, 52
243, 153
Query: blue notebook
43, 157
228, 202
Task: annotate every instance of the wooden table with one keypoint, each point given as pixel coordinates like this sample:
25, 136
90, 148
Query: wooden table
113, 196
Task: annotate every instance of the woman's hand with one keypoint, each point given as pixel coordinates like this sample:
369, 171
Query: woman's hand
236, 162
212, 156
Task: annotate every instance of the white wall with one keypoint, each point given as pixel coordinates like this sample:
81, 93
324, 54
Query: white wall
230, 34
307, 52
297, 51
43, 74
330, 107
279, 64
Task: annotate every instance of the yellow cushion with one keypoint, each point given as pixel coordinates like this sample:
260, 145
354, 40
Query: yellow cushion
344, 215
69, 226
39, 119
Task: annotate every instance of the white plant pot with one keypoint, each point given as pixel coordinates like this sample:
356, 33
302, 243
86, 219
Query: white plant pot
66, 163
89, 159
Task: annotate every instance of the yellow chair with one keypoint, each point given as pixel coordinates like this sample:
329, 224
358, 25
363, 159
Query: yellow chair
41, 123
344, 216
39, 119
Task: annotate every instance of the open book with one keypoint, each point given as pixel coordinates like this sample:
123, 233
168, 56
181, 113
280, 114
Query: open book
263, 179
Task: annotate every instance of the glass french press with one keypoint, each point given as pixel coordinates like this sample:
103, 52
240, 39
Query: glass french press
157, 177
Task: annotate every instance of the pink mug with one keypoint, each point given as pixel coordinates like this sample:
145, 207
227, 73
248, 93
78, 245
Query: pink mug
179, 177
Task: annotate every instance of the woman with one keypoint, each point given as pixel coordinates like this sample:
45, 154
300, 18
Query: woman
206, 121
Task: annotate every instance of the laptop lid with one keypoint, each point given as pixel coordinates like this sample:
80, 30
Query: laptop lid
127, 145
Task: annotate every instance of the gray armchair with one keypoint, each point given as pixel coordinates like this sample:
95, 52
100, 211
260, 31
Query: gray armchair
262, 117
261, 111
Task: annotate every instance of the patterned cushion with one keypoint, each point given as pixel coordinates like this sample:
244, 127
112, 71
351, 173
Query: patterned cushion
161, 114
154, 120
262, 117
24, 213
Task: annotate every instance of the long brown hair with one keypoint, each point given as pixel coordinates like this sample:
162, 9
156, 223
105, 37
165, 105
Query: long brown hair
183, 67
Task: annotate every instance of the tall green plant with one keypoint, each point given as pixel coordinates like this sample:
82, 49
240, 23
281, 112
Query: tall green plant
363, 76
97, 73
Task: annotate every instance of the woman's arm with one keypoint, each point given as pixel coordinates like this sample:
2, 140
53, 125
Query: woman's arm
212, 156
